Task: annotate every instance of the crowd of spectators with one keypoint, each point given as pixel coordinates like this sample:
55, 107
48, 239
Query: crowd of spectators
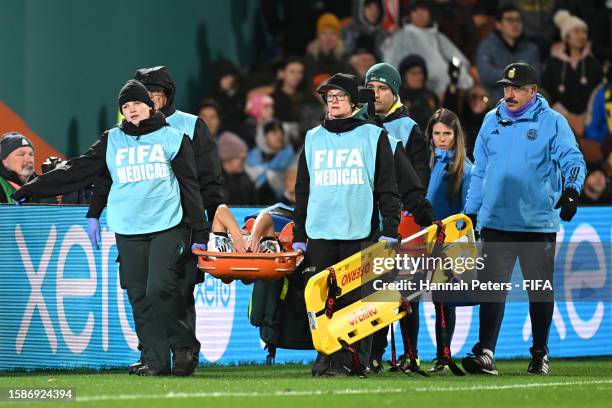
450, 53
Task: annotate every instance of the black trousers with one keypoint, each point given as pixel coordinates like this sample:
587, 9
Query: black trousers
535, 252
325, 253
150, 269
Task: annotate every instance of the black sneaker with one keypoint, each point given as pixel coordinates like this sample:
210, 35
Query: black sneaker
340, 364
320, 365
135, 367
184, 361
145, 370
539, 362
480, 362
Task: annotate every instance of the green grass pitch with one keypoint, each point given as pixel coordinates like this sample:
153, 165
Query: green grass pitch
572, 383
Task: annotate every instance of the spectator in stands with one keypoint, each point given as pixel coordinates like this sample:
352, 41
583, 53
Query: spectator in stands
597, 188
455, 21
267, 163
210, 112
599, 121
289, 97
327, 53
475, 106
537, 19
572, 73
260, 109
314, 108
238, 189
17, 164
420, 101
366, 26
289, 194
226, 90
422, 37
361, 60
505, 45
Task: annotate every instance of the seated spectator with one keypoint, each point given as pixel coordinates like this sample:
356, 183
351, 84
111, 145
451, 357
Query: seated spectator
537, 17
327, 53
226, 90
267, 163
475, 106
598, 119
210, 112
422, 37
238, 189
366, 26
597, 188
572, 73
505, 45
289, 97
360, 61
17, 164
455, 20
260, 109
420, 101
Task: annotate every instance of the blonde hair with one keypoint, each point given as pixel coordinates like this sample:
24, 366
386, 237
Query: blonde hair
450, 119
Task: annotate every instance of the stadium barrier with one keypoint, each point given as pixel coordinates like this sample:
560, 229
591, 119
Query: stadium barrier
61, 305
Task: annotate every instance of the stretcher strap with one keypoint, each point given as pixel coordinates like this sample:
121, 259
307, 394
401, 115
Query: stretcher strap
332, 293
356, 362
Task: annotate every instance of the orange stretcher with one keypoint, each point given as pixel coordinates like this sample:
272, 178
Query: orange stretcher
251, 266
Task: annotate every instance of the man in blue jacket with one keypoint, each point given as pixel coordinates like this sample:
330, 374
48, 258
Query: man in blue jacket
528, 166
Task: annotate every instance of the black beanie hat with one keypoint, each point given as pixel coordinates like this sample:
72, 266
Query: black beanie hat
345, 82
134, 91
11, 141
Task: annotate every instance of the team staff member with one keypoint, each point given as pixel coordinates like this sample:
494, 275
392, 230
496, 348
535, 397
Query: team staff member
153, 202
385, 81
528, 158
162, 91
451, 172
345, 172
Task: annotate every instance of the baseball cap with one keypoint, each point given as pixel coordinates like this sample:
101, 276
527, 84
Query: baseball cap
519, 74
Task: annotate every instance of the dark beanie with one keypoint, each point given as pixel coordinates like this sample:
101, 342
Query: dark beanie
134, 91
11, 141
344, 82
385, 73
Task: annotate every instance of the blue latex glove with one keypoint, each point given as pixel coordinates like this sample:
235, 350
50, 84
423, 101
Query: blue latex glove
389, 240
299, 246
93, 231
201, 247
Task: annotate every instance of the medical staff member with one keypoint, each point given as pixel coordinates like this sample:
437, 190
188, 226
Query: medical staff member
345, 175
153, 204
528, 173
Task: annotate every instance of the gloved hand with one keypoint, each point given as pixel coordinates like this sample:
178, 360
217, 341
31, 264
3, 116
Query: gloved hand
93, 232
474, 219
568, 204
423, 213
20, 201
201, 247
390, 240
299, 246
